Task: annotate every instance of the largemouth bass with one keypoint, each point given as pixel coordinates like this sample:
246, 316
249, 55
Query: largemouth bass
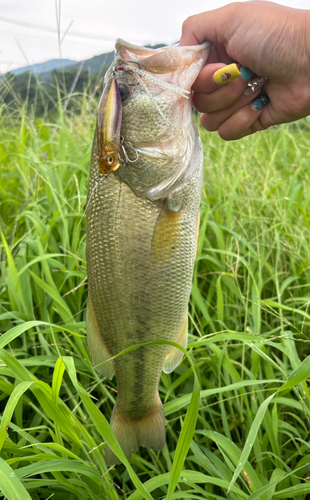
142, 225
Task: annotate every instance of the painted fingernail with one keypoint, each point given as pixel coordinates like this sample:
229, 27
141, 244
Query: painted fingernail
260, 102
256, 84
246, 73
226, 74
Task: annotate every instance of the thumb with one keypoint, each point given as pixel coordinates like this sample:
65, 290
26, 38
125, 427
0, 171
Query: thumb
211, 25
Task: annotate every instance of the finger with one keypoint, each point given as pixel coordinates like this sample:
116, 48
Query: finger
211, 25
209, 96
212, 121
245, 121
214, 76
213, 56
222, 54
218, 54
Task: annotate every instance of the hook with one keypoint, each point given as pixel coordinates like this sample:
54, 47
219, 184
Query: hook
127, 159
133, 62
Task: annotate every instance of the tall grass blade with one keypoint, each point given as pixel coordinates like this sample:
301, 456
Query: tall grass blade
185, 438
302, 372
10, 407
10, 485
250, 439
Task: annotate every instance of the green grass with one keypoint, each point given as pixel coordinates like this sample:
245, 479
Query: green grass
237, 408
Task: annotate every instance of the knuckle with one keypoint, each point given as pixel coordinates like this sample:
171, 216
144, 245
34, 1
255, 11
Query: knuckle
208, 123
258, 126
231, 131
242, 121
188, 24
253, 129
232, 93
200, 102
225, 134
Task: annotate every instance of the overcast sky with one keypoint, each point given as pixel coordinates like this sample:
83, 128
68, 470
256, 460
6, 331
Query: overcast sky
39, 30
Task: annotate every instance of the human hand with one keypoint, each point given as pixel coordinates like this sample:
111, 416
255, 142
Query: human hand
274, 42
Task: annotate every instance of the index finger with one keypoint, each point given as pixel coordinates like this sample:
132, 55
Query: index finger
209, 25
204, 82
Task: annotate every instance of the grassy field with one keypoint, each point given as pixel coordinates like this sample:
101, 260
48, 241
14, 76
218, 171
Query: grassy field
238, 407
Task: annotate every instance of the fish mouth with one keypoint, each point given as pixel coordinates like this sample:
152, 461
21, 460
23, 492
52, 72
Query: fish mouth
196, 48
121, 45
171, 63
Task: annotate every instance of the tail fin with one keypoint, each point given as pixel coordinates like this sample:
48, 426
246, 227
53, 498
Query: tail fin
148, 431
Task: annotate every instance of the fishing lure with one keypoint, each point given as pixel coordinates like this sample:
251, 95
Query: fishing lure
110, 116
109, 128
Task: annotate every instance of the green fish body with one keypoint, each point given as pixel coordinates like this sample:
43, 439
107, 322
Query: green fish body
142, 227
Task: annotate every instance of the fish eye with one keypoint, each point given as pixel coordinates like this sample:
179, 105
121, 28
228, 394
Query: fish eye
109, 160
124, 91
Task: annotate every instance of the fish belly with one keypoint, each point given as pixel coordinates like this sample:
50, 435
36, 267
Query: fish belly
140, 257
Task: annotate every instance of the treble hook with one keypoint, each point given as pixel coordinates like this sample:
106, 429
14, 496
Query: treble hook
127, 159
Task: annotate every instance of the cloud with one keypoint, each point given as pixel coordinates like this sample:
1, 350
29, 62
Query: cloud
31, 32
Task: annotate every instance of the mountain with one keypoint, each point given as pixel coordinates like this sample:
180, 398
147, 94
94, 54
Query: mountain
38, 86
101, 62
45, 66
94, 65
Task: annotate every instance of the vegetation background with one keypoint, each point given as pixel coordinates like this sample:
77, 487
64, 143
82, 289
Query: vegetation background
238, 407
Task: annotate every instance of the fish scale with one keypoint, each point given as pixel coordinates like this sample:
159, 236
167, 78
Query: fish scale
140, 257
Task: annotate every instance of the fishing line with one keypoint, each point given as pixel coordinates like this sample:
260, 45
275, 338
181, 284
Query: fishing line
142, 72
149, 93
170, 86
139, 73
98, 182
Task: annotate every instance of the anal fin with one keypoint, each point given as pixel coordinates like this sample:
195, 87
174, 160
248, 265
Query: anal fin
175, 355
97, 348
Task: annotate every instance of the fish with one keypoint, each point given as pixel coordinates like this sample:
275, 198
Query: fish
142, 223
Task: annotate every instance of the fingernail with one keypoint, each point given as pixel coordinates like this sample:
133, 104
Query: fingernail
260, 102
226, 74
246, 73
255, 85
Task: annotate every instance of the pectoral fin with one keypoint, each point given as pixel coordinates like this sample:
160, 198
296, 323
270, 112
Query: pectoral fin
166, 235
175, 355
97, 348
